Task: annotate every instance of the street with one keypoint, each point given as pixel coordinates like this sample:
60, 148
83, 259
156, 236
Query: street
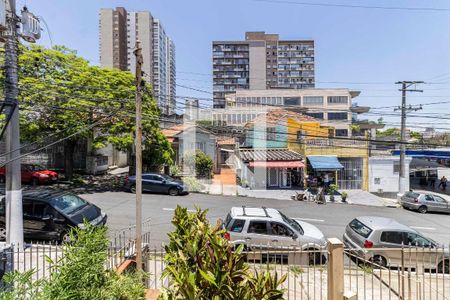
330, 218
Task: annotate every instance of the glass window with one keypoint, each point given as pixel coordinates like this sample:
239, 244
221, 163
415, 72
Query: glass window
429, 198
292, 223
315, 115
67, 203
292, 101
280, 229
341, 132
238, 225
337, 116
393, 237
439, 199
258, 227
27, 208
360, 228
414, 239
312, 100
39, 209
337, 99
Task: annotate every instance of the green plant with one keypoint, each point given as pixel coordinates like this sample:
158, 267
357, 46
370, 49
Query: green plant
174, 171
192, 184
344, 196
202, 265
201, 162
79, 274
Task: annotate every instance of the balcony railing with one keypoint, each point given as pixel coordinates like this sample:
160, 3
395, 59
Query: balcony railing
334, 142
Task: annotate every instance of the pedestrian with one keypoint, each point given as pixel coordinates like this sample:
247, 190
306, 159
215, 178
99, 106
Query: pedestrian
443, 183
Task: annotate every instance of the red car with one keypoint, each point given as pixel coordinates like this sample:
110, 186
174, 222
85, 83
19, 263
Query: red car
34, 174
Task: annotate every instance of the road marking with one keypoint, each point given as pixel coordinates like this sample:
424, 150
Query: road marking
310, 220
172, 209
423, 228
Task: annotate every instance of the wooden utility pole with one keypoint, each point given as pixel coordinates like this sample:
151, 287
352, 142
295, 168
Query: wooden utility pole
138, 146
404, 109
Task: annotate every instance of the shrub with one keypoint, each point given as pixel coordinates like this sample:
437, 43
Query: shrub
202, 265
201, 162
80, 274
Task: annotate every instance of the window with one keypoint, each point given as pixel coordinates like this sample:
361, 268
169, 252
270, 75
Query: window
396, 167
429, 198
68, 203
27, 208
439, 199
341, 132
292, 101
393, 237
313, 100
360, 228
238, 225
414, 239
315, 115
337, 116
337, 99
301, 134
39, 210
271, 133
377, 180
258, 227
280, 229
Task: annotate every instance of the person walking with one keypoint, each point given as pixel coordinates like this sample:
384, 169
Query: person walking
443, 183
432, 181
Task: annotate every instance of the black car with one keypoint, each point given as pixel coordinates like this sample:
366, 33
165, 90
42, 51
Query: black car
51, 215
157, 183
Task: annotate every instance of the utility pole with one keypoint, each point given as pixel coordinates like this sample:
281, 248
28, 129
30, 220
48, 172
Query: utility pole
14, 214
138, 145
404, 110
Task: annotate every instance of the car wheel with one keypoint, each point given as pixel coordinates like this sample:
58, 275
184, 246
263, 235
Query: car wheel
133, 189
379, 261
444, 267
65, 238
35, 182
173, 191
423, 209
315, 257
2, 233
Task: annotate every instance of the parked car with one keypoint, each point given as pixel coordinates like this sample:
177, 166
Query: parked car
425, 201
51, 215
268, 227
34, 174
380, 240
157, 183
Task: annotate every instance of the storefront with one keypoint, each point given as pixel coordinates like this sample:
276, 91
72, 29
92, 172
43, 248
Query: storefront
322, 170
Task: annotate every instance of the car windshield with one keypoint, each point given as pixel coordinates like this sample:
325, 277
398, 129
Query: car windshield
67, 203
167, 177
292, 223
360, 228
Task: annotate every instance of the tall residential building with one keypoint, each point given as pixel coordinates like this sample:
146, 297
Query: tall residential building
262, 61
119, 31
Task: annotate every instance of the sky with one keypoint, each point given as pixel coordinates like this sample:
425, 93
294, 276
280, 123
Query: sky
361, 49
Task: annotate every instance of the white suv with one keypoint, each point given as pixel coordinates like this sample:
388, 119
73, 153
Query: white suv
262, 227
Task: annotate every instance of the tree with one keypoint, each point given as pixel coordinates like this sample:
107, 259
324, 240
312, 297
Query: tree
61, 93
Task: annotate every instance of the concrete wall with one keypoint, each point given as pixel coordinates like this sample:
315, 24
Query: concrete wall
257, 61
106, 38
382, 178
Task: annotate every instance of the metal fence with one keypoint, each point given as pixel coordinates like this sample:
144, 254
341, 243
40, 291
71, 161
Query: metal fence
415, 273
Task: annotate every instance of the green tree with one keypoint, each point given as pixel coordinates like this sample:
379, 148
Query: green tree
201, 162
61, 93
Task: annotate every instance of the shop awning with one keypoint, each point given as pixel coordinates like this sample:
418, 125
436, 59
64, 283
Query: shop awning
324, 163
277, 164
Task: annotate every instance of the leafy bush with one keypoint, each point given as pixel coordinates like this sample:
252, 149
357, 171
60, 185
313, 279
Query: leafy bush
80, 274
202, 265
192, 184
201, 162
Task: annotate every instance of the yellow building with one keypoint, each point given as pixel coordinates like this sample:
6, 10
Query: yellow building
311, 139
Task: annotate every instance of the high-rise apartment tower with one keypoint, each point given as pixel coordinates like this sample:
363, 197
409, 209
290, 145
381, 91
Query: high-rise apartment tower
119, 31
262, 61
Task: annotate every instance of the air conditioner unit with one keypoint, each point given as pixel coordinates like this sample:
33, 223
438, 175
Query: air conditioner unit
31, 29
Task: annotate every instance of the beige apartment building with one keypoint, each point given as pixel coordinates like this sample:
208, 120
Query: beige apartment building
262, 61
119, 31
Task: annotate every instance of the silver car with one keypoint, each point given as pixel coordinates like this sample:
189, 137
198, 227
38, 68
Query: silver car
388, 243
270, 227
425, 201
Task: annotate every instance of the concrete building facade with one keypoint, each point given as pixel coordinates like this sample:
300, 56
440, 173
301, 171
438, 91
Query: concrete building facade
262, 61
119, 31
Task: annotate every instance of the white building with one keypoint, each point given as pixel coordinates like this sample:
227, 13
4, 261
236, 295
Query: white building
384, 174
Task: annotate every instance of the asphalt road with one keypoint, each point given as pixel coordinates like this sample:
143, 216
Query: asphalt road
330, 218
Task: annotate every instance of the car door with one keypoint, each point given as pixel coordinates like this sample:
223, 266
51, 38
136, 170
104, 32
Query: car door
44, 218
420, 251
258, 234
282, 236
390, 246
29, 224
159, 184
430, 202
441, 204
147, 183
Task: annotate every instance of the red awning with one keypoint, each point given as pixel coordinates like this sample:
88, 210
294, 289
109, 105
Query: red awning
277, 164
